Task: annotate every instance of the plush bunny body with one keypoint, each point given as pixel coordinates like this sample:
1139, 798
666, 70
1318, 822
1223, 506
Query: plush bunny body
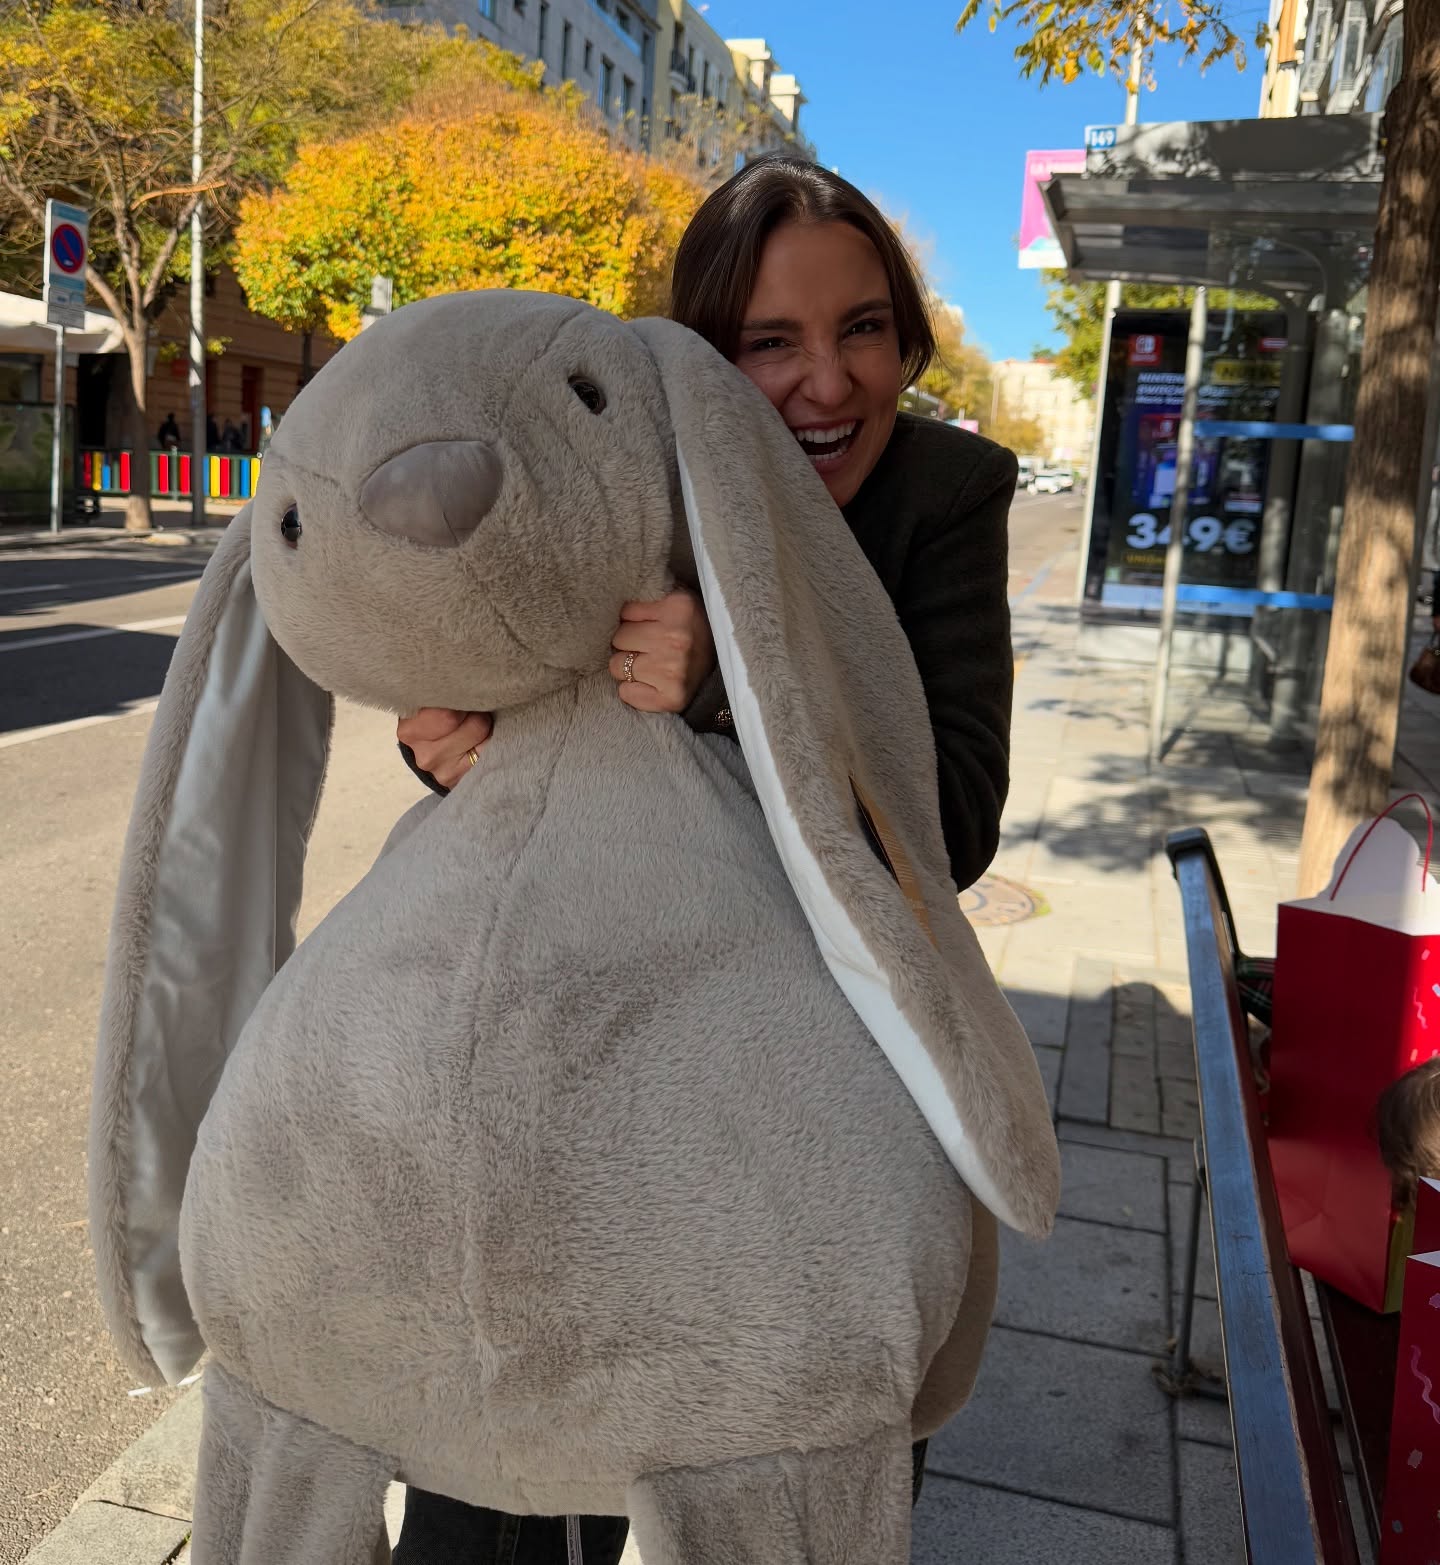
632, 1136
558, 1130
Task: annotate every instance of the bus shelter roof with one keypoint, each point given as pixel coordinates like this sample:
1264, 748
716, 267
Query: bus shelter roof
1284, 206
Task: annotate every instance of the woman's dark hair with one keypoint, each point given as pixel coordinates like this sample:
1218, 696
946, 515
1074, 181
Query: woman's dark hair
719, 257
1408, 1129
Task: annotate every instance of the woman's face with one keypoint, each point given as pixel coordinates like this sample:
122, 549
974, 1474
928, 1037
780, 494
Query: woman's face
819, 340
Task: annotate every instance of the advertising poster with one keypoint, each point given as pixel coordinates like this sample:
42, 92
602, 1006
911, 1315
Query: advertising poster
1039, 247
1139, 441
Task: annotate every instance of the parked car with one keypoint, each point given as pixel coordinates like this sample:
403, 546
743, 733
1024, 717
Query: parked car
1052, 481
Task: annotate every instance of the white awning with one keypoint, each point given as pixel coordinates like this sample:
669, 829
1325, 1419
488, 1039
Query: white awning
23, 329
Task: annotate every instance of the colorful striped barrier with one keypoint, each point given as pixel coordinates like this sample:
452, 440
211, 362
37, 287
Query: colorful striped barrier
108, 473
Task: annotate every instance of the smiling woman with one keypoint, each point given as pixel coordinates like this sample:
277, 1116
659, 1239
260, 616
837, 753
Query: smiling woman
798, 279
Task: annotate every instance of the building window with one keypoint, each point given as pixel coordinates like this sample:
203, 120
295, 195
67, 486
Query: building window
627, 97
705, 79
566, 33
1351, 51
486, 9
1385, 69
1317, 52
622, 19
606, 94
544, 28
589, 56
519, 7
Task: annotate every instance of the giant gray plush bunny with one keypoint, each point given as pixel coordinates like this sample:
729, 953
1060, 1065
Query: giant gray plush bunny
629, 1139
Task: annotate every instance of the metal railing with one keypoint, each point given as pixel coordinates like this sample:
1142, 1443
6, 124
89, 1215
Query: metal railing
1292, 1494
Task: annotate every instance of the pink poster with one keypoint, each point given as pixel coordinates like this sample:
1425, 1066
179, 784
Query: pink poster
1038, 245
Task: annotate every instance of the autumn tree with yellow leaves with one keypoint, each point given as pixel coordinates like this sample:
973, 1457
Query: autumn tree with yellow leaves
476, 185
95, 107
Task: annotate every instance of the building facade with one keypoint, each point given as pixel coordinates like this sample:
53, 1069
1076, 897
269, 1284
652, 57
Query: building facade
644, 62
1331, 56
1028, 388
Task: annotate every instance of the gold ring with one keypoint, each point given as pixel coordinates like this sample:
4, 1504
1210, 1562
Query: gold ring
629, 670
472, 756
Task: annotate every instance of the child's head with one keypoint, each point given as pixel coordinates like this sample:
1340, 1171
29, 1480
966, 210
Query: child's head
1408, 1128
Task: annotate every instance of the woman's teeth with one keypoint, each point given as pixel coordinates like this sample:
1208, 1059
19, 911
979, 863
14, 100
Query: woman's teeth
825, 447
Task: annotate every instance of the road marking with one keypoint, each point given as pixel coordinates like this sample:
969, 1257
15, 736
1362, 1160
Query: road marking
50, 730
98, 581
31, 642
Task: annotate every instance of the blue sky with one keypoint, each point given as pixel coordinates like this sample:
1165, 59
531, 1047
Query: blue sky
937, 125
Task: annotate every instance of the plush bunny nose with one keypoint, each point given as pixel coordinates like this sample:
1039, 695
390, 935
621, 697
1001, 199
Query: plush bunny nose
436, 494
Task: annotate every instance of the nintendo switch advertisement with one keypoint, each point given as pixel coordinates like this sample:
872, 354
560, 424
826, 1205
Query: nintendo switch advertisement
1139, 443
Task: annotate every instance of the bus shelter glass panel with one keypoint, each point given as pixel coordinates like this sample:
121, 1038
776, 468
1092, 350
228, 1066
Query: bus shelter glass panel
1240, 382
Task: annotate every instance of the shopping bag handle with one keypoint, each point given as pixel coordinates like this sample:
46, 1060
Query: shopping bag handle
1429, 840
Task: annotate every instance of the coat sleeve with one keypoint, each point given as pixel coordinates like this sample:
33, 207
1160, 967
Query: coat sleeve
954, 606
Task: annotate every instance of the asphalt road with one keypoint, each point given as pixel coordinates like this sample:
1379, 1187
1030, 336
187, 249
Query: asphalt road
85, 638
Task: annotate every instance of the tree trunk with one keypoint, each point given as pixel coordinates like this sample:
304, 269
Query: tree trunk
137, 508
1370, 625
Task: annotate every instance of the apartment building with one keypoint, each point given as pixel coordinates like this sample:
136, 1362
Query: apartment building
643, 61
1027, 388
1330, 56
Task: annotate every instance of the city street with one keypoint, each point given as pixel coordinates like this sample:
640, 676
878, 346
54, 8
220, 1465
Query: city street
85, 637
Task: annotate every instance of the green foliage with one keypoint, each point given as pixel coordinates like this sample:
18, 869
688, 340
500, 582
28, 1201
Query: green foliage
1078, 310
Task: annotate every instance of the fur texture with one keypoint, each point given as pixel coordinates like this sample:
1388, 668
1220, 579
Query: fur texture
554, 1165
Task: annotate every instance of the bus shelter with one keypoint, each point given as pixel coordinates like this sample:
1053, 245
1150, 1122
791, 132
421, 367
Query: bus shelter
1276, 218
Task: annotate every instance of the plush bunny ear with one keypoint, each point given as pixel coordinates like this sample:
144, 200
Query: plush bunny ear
829, 708
205, 915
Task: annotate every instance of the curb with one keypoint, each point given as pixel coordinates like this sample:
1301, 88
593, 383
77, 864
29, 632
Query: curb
91, 537
138, 1511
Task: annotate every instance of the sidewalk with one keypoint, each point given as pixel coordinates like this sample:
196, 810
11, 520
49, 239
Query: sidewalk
172, 524
1070, 1451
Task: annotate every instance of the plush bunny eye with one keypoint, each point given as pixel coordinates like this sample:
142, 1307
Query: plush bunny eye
589, 393
290, 527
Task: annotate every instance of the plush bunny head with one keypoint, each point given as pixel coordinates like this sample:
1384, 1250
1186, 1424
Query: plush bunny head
452, 514
455, 508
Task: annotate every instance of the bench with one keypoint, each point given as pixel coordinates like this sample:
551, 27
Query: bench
1294, 1509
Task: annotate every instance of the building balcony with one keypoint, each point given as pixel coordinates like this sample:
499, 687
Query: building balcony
682, 78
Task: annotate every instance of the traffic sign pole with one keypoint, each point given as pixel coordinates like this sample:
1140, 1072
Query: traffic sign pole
67, 242
57, 435
1105, 138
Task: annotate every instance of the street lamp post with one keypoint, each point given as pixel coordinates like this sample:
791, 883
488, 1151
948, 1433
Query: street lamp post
1112, 305
199, 465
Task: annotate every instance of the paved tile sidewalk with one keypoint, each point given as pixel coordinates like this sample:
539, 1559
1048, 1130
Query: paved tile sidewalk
1070, 1451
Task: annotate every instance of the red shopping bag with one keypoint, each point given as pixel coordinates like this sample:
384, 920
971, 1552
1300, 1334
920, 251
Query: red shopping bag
1410, 1534
1357, 1003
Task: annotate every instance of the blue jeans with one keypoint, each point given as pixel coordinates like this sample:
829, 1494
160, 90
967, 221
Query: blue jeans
441, 1531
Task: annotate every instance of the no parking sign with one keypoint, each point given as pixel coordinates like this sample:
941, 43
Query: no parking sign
67, 242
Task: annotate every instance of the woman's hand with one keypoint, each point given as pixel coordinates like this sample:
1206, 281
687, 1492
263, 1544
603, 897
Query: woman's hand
443, 741
668, 650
